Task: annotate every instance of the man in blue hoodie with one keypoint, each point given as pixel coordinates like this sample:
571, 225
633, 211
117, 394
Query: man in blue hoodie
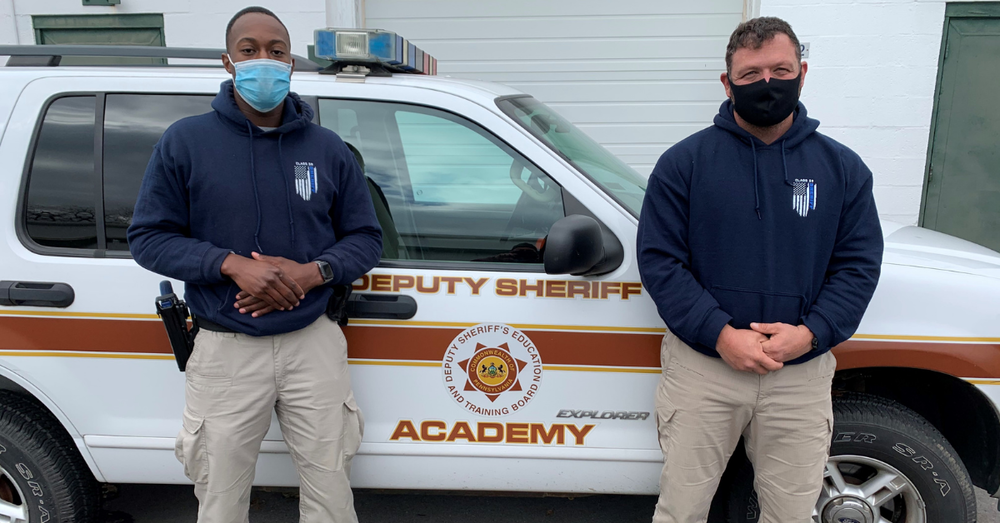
760, 243
260, 212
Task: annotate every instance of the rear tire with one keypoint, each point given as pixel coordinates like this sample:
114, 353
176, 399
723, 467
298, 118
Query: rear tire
874, 439
43, 478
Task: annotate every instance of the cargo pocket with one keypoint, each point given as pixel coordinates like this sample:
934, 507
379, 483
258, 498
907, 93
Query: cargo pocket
191, 448
664, 419
748, 306
354, 431
354, 428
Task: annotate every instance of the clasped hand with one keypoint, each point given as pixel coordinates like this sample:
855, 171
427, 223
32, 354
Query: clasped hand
763, 348
269, 283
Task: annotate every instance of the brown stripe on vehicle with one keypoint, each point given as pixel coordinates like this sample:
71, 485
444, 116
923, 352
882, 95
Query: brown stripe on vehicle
82, 335
555, 347
964, 360
87, 335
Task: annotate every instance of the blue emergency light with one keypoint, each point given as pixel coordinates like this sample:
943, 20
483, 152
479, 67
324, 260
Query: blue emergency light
373, 46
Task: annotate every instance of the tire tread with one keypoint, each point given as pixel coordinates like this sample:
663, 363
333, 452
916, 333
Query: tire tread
48, 443
868, 409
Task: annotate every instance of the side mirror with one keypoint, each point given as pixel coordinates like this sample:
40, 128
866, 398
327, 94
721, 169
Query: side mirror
577, 245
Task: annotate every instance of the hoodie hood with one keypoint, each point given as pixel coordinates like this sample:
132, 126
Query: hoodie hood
802, 127
297, 114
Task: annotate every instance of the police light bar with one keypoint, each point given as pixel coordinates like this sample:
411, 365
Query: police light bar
375, 46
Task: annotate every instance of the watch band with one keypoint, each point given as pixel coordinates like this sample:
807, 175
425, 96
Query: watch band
325, 271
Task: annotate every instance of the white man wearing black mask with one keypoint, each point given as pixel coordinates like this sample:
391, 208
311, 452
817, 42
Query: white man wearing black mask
760, 244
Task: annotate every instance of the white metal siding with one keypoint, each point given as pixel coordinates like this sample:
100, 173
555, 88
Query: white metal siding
637, 75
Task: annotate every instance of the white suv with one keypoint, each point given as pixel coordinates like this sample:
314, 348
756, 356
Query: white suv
504, 342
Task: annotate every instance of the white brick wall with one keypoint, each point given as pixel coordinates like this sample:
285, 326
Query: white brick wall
872, 73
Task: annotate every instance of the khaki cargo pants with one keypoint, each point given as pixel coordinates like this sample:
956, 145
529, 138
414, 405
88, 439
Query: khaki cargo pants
234, 382
702, 408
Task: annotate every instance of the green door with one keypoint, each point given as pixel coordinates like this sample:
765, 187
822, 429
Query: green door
121, 29
963, 181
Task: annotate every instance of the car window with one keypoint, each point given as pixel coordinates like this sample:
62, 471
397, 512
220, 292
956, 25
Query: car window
60, 208
133, 123
70, 195
445, 189
614, 177
453, 163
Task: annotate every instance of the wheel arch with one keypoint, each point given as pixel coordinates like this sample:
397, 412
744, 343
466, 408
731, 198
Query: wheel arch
14, 382
960, 411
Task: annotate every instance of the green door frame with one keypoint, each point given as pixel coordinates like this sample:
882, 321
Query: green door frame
110, 21
952, 10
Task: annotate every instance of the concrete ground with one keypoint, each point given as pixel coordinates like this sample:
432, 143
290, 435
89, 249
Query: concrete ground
176, 504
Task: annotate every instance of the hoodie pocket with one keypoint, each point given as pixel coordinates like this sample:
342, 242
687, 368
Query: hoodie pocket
747, 306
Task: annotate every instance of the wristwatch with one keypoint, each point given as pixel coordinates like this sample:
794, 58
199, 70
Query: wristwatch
815, 343
327, 272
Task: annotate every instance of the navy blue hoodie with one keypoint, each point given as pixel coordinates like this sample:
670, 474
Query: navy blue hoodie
734, 231
217, 184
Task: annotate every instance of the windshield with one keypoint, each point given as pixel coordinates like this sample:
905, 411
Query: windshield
617, 179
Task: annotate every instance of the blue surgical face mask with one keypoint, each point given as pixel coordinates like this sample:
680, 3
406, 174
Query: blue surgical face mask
262, 83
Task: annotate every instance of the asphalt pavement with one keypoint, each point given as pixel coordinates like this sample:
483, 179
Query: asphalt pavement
176, 504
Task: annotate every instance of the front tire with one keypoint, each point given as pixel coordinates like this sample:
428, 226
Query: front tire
43, 478
886, 461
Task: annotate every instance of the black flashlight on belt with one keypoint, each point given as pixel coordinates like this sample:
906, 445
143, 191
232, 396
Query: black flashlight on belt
174, 313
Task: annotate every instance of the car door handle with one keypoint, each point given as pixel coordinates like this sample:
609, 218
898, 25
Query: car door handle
391, 306
36, 294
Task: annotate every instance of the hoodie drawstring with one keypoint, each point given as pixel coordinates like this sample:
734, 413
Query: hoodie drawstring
756, 183
256, 197
785, 164
288, 194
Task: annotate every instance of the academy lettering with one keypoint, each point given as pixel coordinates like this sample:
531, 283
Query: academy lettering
491, 432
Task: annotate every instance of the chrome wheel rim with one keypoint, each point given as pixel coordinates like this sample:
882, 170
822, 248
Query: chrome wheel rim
859, 489
13, 509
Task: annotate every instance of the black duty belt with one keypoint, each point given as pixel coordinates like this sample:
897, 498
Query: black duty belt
212, 326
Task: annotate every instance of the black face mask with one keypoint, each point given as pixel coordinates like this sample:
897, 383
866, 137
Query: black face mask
766, 103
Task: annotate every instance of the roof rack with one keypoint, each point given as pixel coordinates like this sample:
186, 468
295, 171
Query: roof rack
51, 55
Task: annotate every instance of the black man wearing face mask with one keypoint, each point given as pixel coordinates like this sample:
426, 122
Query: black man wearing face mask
261, 212
760, 244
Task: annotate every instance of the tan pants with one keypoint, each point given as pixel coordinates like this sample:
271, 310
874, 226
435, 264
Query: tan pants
234, 382
702, 408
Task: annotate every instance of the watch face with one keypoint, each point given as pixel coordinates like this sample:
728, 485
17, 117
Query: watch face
325, 270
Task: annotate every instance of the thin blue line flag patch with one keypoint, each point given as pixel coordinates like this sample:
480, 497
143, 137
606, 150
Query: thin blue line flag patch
804, 196
305, 180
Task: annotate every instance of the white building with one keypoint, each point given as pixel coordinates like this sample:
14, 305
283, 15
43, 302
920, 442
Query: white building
639, 75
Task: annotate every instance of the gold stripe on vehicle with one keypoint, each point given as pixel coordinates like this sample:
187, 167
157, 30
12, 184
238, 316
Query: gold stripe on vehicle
523, 326
90, 315
62, 354
352, 361
587, 368
905, 337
